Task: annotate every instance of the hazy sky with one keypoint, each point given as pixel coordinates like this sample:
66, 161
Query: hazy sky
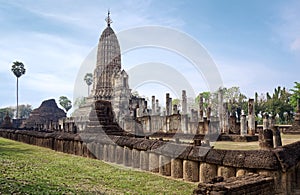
255, 44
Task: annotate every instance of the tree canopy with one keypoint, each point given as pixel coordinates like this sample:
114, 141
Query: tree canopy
65, 103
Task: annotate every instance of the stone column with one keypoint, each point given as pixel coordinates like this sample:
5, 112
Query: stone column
220, 110
226, 172
266, 135
201, 107
135, 158
208, 113
184, 102
168, 103
207, 172
184, 116
127, 156
153, 105
157, 111
153, 162
164, 165
243, 125
225, 118
251, 117
190, 171
276, 132
144, 160
119, 154
175, 109
176, 168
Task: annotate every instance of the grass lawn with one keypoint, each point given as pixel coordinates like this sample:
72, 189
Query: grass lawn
27, 169
286, 139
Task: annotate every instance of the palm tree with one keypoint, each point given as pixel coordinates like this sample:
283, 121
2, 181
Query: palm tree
18, 70
88, 78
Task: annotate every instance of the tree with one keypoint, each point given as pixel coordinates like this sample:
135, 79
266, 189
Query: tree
18, 70
25, 110
65, 103
295, 95
88, 78
80, 101
4, 111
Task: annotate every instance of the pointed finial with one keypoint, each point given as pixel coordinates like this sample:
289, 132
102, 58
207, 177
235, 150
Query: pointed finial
108, 19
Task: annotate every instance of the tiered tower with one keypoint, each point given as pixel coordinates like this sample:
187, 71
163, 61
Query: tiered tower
108, 63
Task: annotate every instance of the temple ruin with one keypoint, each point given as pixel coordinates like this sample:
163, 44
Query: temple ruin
117, 127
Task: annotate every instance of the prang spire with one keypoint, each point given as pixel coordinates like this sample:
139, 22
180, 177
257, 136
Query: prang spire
108, 19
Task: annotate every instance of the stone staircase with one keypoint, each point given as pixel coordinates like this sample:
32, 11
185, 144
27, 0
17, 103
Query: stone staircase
101, 120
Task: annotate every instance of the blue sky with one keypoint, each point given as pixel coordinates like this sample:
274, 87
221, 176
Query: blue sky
255, 44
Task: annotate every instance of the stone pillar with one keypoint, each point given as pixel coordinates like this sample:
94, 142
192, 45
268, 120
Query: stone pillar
135, 158
201, 107
112, 153
157, 111
175, 110
241, 172
190, 170
266, 135
276, 133
164, 165
106, 152
153, 105
208, 113
184, 103
207, 172
226, 172
220, 110
225, 118
176, 168
243, 125
168, 105
127, 157
119, 155
251, 117
99, 151
153, 162
144, 160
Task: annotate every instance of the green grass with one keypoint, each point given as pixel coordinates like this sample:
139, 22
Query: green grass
227, 145
27, 169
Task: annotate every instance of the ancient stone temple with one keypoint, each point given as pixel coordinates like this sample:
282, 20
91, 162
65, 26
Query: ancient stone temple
45, 116
108, 64
110, 84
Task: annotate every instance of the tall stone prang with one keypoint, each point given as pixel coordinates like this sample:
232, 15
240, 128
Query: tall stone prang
108, 63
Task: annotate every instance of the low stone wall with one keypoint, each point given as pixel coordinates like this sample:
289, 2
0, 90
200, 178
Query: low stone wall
189, 162
253, 184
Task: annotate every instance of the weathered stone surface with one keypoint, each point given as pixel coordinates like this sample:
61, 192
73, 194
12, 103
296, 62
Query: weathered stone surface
253, 184
261, 158
198, 153
135, 158
47, 112
288, 155
226, 172
119, 154
234, 158
215, 156
174, 150
153, 162
191, 170
127, 157
207, 172
164, 165
177, 168
144, 160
